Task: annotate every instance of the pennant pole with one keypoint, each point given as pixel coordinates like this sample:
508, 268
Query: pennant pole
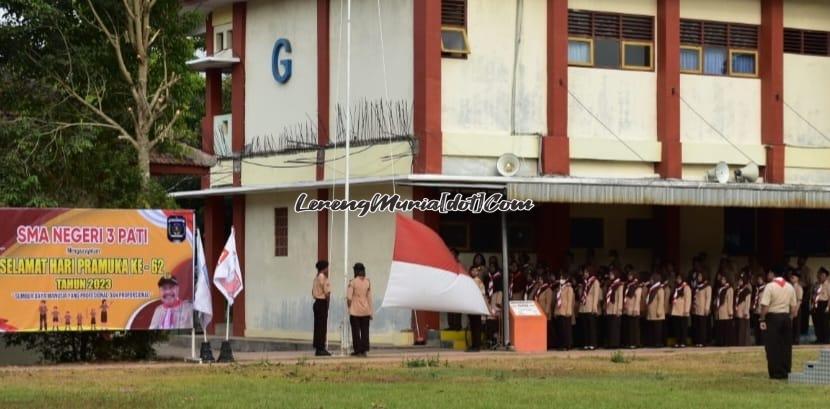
228, 322
506, 282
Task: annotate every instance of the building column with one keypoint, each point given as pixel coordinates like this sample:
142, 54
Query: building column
556, 154
238, 88
771, 70
323, 83
427, 86
213, 99
667, 233
425, 320
553, 233
238, 328
668, 89
213, 235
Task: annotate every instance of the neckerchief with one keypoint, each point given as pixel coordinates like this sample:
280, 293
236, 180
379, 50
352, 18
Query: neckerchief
611, 295
817, 293
722, 295
631, 288
540, 290
587, 289
652, 291
559, 294
758, 296
678, 292
743, 293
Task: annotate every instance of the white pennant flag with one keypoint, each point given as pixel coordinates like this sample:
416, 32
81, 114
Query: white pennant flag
228, 275
203, 302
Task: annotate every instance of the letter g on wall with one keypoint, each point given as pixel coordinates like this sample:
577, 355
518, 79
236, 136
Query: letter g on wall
281, 75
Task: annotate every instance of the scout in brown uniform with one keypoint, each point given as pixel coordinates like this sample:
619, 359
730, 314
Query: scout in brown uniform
818, 306
359, 300
474, 319
681, 306
56, 318
321, 292
701, 306
795, 281
589, 309
743, 301
42, 310
544, 296
563, 311
613, 309
778, 305
493, 328
631, 311
655, 306
755, 309
724, 311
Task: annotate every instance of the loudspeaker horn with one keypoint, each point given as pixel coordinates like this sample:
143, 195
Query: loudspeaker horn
508, 165
747, 174
720, 173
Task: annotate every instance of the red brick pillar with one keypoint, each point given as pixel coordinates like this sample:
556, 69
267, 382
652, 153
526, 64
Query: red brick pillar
668, 89
427, 86
771, 70
555, 154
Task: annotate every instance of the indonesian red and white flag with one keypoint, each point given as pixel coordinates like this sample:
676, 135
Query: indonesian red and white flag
228, 275
425, 276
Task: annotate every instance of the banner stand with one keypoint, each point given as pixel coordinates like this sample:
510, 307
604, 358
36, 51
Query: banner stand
225, 352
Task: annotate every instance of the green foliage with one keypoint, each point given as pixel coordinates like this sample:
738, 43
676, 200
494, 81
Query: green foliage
56, 347
428, 362
619, 358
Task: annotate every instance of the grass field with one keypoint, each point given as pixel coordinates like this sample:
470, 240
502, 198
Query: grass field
671, 380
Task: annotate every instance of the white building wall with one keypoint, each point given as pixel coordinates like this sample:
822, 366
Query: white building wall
477, 91
368, 81
272, 108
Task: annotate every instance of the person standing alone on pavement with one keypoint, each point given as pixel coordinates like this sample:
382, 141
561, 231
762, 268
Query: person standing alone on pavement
359, 296
321, 292
778, 308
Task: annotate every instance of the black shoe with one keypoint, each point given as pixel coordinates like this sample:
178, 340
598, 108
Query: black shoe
362, 355
472, 350
355, 353
322, 352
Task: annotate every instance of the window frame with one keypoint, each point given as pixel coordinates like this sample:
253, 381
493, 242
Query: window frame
648, 44
280, 251
754, 53
590, 42
219, 42
456, 53
699, 49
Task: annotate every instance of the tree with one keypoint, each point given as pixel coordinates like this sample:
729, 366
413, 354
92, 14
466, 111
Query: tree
134, 89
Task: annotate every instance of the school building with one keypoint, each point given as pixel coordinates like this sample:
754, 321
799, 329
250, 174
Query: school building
616, 110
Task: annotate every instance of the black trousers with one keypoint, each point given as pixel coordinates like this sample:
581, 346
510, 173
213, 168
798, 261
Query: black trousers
757, 334
551, 334
654, 333
741, 332
564, 332
631, 331
724, 332
700, 326
797, 327
778, 345
42, 326
820, 322
360, 333
454, 321
475, 331
804, 315
588, 328
681, 329
321, 318
491, 331
612, 331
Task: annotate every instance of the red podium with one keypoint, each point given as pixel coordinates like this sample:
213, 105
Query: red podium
528, 327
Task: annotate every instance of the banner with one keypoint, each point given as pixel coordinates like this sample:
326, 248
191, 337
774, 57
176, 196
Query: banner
89, 269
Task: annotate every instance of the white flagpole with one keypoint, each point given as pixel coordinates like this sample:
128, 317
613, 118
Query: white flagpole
228, 322
344, 343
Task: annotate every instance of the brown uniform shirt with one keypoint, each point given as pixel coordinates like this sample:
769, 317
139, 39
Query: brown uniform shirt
742, 306
799, 294
821, 293
359, 295
496, 303
321, 288
564, 302
614, 306
590, 304
779, 296
546, 302
655, 303
726, 308
631, 305
702, 301
681, 301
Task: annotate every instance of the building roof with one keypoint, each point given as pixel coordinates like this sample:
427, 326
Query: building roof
650, 191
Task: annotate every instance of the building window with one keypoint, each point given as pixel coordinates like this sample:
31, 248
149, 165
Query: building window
797, 41
716, 48
454, 41
581, 51
690, 59
219, 44
281, 232
609, 40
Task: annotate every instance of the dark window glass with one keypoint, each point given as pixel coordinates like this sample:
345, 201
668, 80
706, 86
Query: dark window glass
639, 233
607, 53
453, 40
587, 233
637, 55
281, 232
